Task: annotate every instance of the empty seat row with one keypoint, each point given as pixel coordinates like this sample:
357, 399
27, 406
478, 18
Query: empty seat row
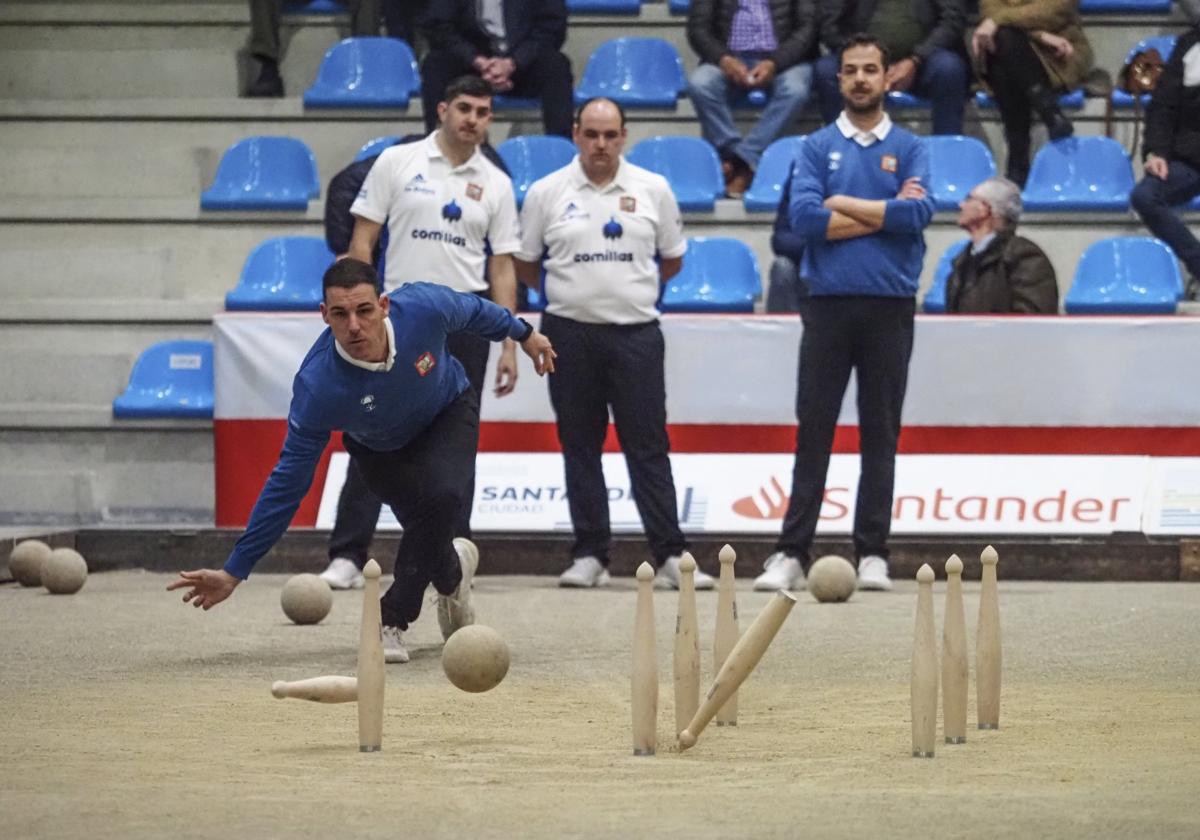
680, 7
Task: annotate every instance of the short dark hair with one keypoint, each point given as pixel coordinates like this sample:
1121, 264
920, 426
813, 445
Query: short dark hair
467, 86
615, 104
347, 273
864, 39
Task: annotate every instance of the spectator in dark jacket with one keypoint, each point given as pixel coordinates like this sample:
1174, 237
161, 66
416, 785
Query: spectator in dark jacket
785, 289
999, 272
1172, 152
924, 40
747, 45
513, 45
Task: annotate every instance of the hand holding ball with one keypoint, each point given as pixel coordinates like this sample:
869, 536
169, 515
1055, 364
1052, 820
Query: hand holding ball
475, 658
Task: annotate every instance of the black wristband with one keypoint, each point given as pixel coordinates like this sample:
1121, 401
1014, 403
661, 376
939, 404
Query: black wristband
528, 331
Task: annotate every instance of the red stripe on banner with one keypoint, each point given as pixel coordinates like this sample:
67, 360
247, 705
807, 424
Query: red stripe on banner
246, 450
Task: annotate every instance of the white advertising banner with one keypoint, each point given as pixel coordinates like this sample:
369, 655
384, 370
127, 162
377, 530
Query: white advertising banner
748, 493
1173, 497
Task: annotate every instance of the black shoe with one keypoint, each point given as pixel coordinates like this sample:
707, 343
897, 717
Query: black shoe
268, 82
1017, 168
1045, 105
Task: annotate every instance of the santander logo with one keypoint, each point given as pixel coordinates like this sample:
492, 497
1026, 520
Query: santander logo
769, 503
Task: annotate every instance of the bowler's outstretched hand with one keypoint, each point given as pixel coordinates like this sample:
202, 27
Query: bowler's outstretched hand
207, 587
537, 347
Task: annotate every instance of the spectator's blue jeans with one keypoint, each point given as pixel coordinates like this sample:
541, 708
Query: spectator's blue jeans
713, 96
1154, 200
942, 79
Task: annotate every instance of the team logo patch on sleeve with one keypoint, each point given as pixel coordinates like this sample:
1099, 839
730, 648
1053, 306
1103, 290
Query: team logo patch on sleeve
628, 204
425, 363
474, 192
888, 163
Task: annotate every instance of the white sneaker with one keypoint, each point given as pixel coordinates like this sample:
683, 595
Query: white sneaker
585, 572
455, 610
668, 576
342, 574
782, 571
394, 649
873, 573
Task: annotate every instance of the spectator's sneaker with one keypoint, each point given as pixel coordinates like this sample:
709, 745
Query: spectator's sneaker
455, 610
268, 84
394, 649
668, 576
781, 571
585, 572
342, 574
873, 573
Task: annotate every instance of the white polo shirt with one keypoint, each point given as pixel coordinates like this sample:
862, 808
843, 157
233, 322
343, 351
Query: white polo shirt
600, 265
438, 215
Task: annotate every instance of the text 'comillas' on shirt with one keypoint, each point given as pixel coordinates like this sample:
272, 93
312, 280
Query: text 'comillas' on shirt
600, 244
438, 216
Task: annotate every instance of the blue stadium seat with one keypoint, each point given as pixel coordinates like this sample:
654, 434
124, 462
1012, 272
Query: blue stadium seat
689, 164
1079, 174
365, 73
773, 167
1133, 275
679, 7
375, 147
756, 98
282, 273
1134, 7
264, 173
1070, 101
500, 102
719, 274
935, 298
171, 379
535, 301
604, 7
314, 7
637, 72
904, 99
530, 157
957, 164
1165, 44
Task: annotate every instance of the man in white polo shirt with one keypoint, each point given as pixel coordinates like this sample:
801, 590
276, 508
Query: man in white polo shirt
444, 203
601, 221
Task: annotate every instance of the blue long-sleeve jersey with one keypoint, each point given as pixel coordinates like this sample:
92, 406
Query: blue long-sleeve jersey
382, 410
886, 263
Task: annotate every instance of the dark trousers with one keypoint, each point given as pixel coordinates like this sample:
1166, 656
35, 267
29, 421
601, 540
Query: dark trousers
1014, 71
264, 24
602, 365
1154, 200
942, 79
424, 483
358, 508
873, 336
548, 79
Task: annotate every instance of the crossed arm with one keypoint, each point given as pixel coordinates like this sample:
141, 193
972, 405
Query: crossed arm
852, 217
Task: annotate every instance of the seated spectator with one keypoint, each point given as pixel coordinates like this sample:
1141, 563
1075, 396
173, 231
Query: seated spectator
265, 46
924, 41
749, 45
1191, 9
999, 272
1029, 52
513, 45
785, 289
1172, 152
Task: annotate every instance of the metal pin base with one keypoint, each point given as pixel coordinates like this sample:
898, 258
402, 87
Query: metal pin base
922, 754
956, 739
989, 726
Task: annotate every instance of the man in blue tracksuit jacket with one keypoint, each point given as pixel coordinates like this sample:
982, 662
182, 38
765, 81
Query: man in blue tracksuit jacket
409, 418
858, 199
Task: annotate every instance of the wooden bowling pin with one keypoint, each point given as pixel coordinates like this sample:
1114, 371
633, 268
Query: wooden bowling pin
318, 689
924, 669
987, 645
740, 664
645, 667
687, 646
954, 657
726, 635
370, 665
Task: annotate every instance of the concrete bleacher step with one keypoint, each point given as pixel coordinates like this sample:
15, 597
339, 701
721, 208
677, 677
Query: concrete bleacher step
76, 476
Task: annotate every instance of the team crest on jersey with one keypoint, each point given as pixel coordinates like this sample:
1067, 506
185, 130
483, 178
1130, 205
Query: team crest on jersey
835, 161
888, 163
452, 212
612, 229
417, 183
368, 402
425, 363
628, 204
474, 192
